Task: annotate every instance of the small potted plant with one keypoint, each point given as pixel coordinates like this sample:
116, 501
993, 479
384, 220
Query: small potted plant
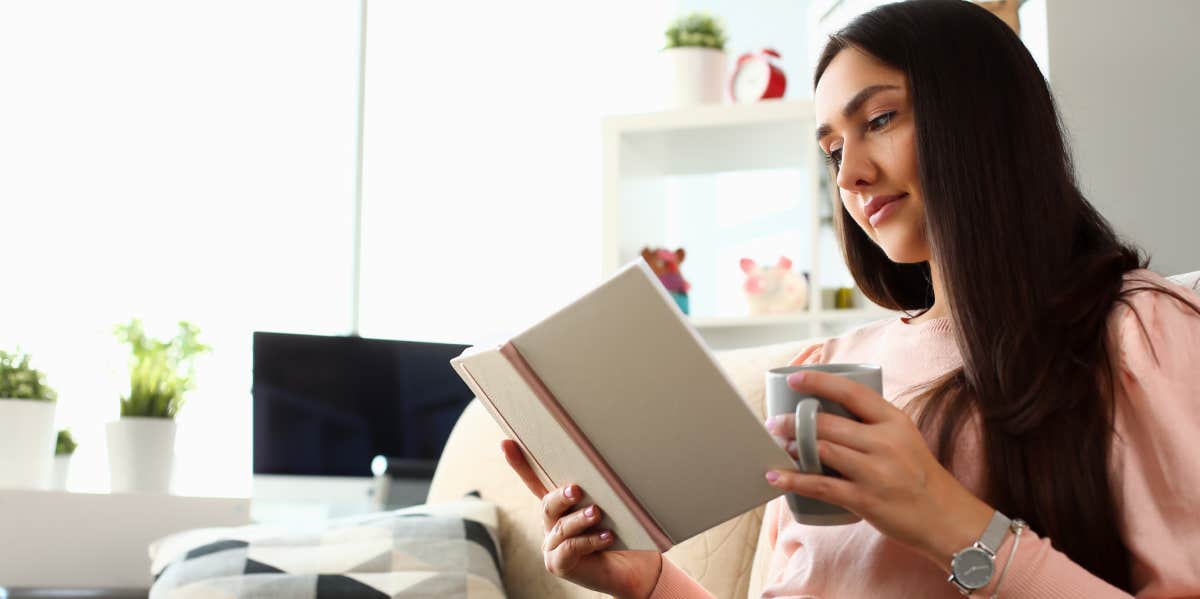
64, 448
141, 444
26, 424
695, 51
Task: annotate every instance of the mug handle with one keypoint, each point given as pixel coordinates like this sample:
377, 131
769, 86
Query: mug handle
806, 436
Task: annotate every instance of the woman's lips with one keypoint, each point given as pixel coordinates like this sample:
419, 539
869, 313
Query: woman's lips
881, 207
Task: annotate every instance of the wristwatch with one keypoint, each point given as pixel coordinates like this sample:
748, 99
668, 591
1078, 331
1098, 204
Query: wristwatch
972, 568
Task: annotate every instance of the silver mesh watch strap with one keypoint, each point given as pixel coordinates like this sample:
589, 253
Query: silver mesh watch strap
993, 535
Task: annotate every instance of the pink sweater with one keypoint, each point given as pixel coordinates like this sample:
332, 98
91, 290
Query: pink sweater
1156, 474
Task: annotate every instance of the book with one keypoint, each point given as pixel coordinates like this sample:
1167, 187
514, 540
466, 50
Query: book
617, 393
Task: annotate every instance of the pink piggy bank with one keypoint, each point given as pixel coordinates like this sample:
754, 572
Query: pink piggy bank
774, 289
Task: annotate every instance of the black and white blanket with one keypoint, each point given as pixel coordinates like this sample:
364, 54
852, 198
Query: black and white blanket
444, 550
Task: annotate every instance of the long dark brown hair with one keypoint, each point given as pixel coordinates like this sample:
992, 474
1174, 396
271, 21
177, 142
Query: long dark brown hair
1030, 269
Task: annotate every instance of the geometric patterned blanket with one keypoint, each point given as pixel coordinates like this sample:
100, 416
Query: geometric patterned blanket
445, 550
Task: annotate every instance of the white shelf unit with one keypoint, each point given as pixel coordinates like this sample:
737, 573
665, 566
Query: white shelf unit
644, 152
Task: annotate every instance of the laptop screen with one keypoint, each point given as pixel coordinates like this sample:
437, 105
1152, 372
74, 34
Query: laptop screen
326, 406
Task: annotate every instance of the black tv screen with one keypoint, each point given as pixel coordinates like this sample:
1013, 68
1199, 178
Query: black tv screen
326, 406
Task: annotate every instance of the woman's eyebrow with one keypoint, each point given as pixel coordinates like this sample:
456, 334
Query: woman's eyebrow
854, 104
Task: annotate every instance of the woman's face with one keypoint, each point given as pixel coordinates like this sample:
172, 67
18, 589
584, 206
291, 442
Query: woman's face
865, 125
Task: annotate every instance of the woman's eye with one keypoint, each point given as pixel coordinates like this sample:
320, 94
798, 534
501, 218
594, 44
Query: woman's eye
834, 158
881, 121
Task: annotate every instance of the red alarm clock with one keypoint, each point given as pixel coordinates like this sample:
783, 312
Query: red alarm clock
757, 76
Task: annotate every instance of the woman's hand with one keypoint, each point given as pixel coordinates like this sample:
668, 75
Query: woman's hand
573, 550
892, 480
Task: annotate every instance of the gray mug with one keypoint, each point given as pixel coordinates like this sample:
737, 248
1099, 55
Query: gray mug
782, 399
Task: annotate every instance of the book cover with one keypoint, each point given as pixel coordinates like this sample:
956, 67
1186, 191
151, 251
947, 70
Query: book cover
617, 392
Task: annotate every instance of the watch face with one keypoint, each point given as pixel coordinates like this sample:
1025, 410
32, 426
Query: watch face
972, 567
751, 81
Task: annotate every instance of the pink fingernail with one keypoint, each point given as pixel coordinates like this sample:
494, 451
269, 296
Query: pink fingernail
606, 535
570, 492
795, 378
772, 476
771, 422
590, 511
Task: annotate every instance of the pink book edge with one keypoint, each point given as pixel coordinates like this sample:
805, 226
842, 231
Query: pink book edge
656, 533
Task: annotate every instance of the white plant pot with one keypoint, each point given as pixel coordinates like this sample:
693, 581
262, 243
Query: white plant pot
62, 467
141, 454
26, 443
694, 76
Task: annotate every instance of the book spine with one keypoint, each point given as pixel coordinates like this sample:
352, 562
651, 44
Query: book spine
508, 428
655, 532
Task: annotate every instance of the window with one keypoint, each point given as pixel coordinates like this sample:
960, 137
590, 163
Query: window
173, 161
194, 161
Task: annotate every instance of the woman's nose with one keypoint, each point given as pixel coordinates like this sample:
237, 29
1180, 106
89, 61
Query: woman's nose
856, 171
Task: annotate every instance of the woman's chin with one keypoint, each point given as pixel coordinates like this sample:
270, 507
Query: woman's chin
909, 252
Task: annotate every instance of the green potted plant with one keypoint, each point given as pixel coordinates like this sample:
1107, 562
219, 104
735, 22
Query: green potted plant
26, 423
695, 51
141, 444
64, 448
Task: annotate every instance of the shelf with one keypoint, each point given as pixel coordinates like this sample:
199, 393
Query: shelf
712, 115
821, 316
716, 138
652, 197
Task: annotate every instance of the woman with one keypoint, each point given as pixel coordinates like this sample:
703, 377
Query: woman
1046, 375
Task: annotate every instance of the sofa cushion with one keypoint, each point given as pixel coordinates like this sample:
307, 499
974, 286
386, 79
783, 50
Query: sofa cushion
448, 550
720, 558
1191, 280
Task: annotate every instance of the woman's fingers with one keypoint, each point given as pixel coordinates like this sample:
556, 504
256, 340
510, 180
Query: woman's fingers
590, 543
783, 425
837, 491
558, 502
570, 526
846, 432
830, 427
563, 560
554, 503
783, 431
853, 464
842, 443
566, 542
860, 400
516, 460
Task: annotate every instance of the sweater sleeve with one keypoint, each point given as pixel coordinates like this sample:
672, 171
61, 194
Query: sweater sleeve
674, 583
1155, 474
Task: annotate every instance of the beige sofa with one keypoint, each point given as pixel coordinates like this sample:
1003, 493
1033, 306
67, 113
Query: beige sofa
727, 559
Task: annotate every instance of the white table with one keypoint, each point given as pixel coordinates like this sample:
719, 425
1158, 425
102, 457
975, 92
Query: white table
63, 539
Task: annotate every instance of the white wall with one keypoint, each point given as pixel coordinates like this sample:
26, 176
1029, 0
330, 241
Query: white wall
1127, 81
